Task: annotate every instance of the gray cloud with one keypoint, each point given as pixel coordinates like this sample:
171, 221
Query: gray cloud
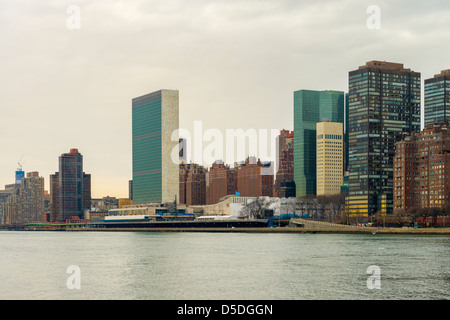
236, 64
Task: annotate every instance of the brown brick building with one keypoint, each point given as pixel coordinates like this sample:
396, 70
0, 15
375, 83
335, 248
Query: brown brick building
422, 169
221, 181
254, 179
192, 184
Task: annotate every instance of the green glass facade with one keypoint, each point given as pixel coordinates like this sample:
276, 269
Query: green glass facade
437, 99
346, 135
311, 107
147, 148
384, 105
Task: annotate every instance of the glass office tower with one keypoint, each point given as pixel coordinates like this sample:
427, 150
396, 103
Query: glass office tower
155, 175
437, 98
311, 107
384, 105
74, 190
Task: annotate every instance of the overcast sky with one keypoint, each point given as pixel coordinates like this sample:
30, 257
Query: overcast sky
235, 63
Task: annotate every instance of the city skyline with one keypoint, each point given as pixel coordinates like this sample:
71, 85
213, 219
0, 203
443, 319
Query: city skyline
72, 88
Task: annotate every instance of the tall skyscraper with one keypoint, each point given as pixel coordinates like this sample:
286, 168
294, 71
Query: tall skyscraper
155, 175
285, 173
54, 197
346, 135
384, 106
70, 188
437, 98
19, 175
311, 107
86, 191
330, 151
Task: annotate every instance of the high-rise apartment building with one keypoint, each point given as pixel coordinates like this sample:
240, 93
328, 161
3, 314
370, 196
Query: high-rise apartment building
285, 169
196, 186
155, 175
255, 178
384, 105
221, 181
70, 188
86, 191
184, 171
54, 197
330, 151
437, 98
422, 169
311, 107
192, 184
26, 204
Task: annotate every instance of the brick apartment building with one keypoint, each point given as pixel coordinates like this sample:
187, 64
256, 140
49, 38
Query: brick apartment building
422, 169
254, 178
221, 181
192, 184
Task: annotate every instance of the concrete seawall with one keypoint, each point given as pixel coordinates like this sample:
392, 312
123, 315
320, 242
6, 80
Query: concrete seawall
308, 227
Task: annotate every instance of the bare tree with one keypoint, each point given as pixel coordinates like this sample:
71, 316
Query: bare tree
412, 213
300, 205
337, 207
316, 209
254, 209
332, 206
290, 207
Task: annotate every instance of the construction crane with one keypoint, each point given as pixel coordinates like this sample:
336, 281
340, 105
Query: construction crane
20, 163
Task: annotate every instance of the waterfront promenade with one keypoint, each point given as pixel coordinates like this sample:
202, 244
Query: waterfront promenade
303, 226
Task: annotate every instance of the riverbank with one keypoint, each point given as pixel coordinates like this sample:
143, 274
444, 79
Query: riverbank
297, 226
362, 230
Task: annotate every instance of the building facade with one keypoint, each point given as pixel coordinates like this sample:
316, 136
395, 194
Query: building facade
26, 204
196, 186
221, 182
330, 158
54, 197
192, 184
437, 98
155, 119
255, 179
284, 179
422, 169
384, 106
70, 188
311, 107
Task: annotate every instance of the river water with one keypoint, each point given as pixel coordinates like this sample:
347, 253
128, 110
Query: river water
227, 266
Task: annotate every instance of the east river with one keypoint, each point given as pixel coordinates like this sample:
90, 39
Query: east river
172, 266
